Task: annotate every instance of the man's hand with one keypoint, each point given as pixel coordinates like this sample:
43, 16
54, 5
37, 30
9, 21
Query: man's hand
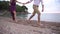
23, 4
19, 2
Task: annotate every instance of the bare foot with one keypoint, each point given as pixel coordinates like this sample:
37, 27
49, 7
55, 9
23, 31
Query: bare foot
15, 21
29, 21
38, 23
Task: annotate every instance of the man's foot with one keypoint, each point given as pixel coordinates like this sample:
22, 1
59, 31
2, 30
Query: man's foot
38, 23
29, 21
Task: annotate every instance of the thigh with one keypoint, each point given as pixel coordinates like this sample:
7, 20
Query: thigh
36, 9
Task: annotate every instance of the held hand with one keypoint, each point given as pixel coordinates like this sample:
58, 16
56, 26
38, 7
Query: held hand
23, 4
19, 2
26, 2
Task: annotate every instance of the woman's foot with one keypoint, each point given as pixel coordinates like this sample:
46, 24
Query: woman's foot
15, 21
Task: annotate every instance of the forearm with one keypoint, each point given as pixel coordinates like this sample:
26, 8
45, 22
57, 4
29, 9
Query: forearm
29, 1
10, 3
42, 7
18, 2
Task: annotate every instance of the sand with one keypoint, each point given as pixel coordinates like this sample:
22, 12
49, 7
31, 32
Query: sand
23, 26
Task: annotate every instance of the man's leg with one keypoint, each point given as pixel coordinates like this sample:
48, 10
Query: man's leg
32, 15
39, 18
38, 12
34, 12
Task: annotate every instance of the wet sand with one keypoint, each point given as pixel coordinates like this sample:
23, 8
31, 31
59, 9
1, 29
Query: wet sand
23, 26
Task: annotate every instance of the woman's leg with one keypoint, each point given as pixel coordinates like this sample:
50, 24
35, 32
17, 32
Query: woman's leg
13, 13
14, 16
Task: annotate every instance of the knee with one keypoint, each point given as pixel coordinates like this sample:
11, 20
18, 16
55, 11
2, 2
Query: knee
39, 13
14, 12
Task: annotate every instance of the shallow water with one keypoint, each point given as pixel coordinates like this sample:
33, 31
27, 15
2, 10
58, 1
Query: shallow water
52, 17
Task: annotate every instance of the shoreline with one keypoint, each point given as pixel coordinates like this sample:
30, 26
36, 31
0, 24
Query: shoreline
1, 17
9, 19
23, 26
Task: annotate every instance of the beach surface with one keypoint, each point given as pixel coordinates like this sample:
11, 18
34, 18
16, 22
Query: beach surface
23, 26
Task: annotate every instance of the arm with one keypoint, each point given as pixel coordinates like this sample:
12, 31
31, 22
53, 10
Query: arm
42, 8
29, 2
19, 2
10, 3
42, 5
